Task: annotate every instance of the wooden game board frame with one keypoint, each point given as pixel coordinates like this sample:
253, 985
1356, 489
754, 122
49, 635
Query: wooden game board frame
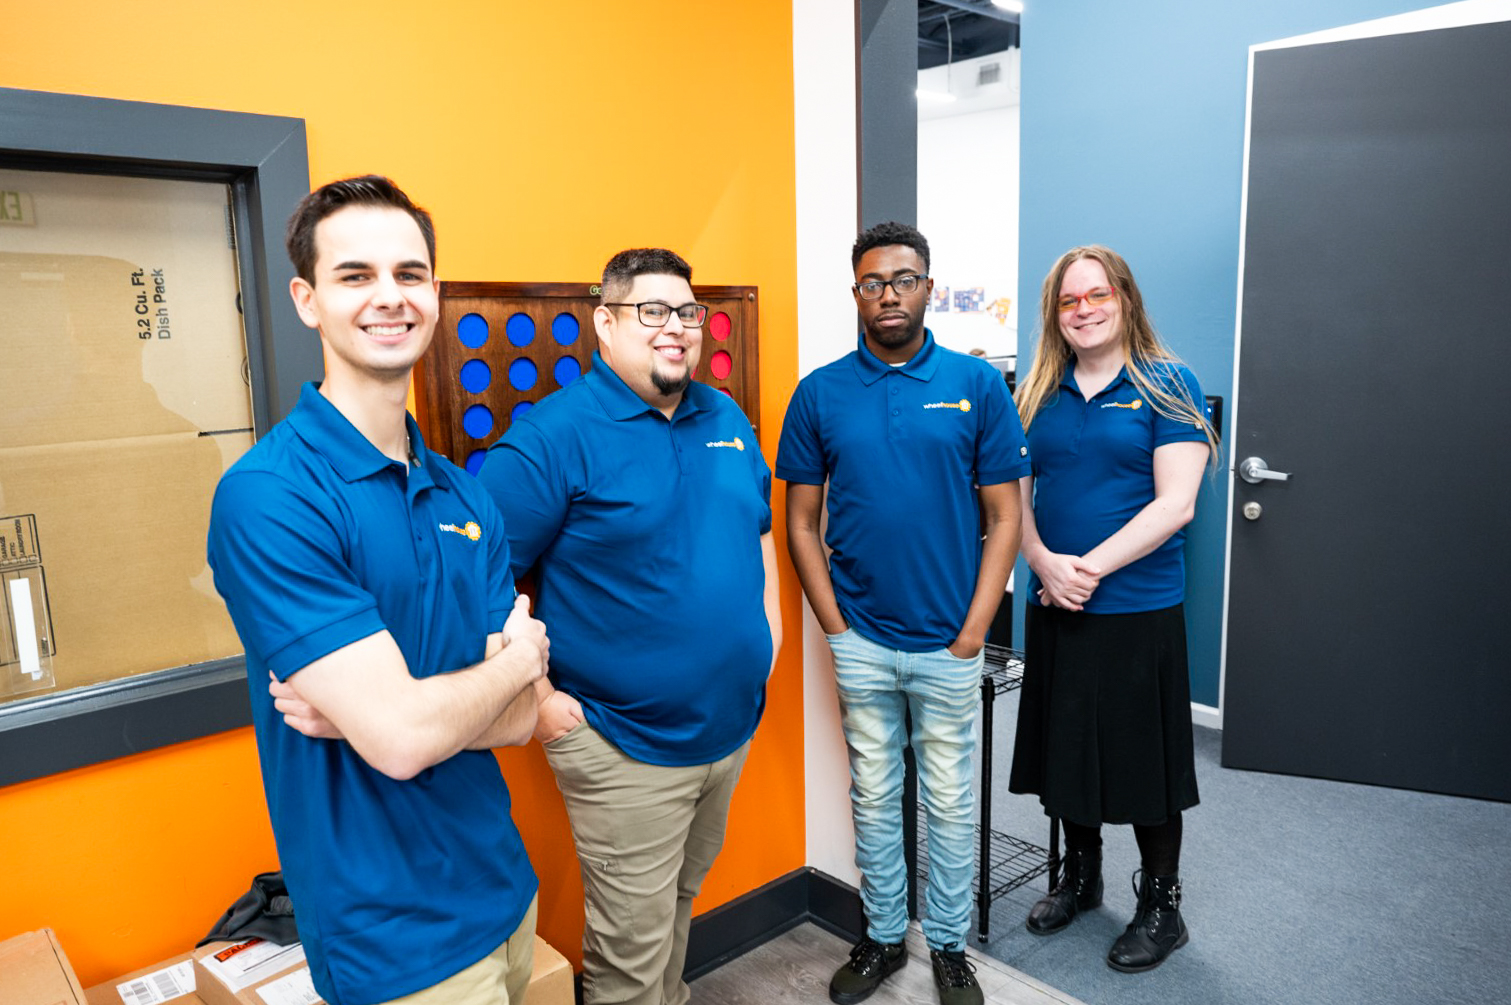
440, 399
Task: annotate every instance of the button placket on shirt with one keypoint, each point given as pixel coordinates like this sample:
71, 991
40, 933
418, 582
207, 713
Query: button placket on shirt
677, 446
894, 412
1085, 406
423, 555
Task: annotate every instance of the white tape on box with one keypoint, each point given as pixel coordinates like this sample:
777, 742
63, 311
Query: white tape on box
295, 989
26, 628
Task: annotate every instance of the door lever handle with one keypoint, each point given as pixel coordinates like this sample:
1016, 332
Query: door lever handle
1253, 470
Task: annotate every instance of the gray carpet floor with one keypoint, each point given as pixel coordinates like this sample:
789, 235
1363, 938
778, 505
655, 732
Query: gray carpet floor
1296, 890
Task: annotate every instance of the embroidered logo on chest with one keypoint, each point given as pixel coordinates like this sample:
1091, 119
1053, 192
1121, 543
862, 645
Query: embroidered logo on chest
734, 444
470, 530
1135, 404
963, 405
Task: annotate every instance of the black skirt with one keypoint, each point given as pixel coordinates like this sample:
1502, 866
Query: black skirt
1104, 716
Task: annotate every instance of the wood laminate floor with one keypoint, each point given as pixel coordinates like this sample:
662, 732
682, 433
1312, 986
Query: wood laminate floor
794, 969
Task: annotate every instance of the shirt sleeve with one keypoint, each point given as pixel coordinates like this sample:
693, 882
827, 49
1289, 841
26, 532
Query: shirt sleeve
279, 563
524, 474
800, 455
762, 474
1001, 447
1180, 382
500, 576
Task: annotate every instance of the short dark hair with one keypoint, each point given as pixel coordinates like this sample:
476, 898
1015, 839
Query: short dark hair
368, 190
886, 234
619, 274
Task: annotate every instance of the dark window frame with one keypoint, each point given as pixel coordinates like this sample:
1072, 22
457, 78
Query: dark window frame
264, 161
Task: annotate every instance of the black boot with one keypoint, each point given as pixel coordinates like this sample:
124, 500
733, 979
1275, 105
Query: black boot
1079, 889
1157, 929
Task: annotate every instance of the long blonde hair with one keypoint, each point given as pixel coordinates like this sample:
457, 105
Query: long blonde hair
1144, 352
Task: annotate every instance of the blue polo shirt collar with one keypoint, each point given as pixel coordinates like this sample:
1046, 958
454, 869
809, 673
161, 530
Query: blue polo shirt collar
922, 366
1068, 379
353, 456
619, 400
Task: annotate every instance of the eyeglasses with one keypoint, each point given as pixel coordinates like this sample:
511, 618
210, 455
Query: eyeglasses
654, 314
901, 285
1093, 298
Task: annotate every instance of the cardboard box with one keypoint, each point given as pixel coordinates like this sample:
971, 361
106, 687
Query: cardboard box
550, 978
170, 982
121, 402
35, 971
253, 972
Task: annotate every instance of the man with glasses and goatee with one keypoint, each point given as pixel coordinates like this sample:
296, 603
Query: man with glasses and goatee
640, 499
922, 451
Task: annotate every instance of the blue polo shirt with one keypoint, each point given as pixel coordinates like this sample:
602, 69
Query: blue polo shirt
903, 449
1094, 470
318, 540
645, 534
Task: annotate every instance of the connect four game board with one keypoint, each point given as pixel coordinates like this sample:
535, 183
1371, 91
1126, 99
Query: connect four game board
502, 347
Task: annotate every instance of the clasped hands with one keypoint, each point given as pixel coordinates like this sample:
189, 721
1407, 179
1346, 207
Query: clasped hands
1067, 581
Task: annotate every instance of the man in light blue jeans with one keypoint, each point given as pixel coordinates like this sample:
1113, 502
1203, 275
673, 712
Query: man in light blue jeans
922, 450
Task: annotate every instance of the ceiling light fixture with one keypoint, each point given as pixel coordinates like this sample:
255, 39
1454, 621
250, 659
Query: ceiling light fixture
1011, 6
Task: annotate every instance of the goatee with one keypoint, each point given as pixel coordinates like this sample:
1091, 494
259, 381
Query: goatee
669, 386
894, 338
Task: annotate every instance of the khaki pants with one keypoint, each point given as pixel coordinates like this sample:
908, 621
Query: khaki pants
646, 836
500, 978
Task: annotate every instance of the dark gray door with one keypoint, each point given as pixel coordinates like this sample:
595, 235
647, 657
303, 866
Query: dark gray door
1368, 603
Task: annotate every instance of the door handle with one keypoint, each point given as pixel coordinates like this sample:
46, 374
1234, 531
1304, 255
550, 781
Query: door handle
1253, 470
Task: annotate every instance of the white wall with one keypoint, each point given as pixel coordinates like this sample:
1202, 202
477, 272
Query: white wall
968, 199
823, 58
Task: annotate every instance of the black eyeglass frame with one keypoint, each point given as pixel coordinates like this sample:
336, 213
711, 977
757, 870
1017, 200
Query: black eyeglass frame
878, 285
701, 316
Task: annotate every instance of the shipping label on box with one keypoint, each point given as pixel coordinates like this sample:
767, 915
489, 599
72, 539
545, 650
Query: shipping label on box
253, 972
296, 988
162, 985
239, 965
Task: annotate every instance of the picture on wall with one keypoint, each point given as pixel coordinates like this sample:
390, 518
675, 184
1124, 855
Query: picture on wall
970, 301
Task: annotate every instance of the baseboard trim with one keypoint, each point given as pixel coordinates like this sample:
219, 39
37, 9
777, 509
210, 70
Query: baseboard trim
1206, 715
748, 921
835, 905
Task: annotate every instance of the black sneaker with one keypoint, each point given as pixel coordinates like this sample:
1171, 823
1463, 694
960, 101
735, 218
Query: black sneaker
871, 962
956, 977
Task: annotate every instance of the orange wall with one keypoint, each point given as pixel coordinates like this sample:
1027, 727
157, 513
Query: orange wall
543, 137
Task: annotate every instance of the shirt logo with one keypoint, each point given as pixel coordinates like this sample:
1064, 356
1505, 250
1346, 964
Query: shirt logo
470, 530
1135, 404
736, 443
964, 404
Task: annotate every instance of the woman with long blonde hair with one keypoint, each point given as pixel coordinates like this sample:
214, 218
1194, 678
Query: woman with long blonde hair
1119, 436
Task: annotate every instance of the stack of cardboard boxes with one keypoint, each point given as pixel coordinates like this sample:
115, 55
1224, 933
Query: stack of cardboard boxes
35, 971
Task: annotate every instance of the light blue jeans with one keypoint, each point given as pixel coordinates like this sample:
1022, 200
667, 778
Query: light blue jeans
876, 686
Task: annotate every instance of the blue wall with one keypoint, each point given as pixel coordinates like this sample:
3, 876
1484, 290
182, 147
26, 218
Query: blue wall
1132, 137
